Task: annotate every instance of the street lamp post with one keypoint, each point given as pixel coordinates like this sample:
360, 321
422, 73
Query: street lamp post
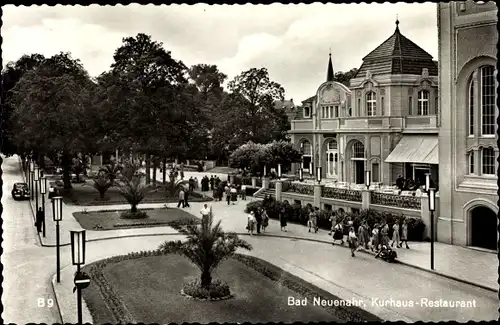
32, 170
279, 171
36, 180
367, 179
427, 182
432, 207
265, 172
43, 191
78, 258
318, 174
311, 171
301, 174
57, 215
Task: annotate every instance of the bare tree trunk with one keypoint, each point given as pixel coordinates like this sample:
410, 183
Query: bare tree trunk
148, 169
206, 279
154, 170
164, 170
66, 165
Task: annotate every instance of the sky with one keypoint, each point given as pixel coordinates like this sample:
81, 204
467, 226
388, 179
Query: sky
291, 41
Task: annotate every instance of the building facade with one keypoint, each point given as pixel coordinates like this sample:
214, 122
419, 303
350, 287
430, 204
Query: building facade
385, 122
468, 149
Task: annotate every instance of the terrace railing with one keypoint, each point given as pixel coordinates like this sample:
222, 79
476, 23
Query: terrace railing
304, 189
400, 201
342, 194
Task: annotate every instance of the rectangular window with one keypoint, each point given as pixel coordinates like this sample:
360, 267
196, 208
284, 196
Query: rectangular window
331, 112
371, 104
336, 111
410, 105
488, 103
359, 107
488, 161
423, 103
375, 172
382, 105
471, 163
328, 207
471, 108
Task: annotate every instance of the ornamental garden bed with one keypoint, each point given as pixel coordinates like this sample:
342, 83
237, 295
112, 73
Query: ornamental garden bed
85, 194
145, 287
108, 220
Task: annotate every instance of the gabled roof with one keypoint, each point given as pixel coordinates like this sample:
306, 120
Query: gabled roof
310, 99
397, 55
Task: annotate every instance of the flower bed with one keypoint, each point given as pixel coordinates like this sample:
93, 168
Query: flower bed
400, 201
342, 194
257, 284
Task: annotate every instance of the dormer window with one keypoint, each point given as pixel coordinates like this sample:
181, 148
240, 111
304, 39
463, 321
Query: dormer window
371, 104
307, 111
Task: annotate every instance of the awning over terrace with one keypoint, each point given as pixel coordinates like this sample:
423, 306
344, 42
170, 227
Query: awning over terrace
423, 149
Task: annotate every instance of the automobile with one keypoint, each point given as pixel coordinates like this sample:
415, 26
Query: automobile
20, 191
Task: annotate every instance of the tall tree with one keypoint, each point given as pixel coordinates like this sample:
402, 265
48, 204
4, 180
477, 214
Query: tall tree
143, 69
345, 77
260, 93
51, 110
11, 75
208, 79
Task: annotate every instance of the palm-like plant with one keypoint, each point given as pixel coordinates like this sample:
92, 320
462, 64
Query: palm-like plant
102, 184
130, 186
206, 246
111, 171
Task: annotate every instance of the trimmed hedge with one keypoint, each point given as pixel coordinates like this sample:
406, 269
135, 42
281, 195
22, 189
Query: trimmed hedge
299, 214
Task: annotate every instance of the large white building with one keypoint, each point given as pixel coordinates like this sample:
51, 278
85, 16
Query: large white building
468, 149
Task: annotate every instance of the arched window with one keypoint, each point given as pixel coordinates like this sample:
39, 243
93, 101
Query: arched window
487, 97
358, 150
470, 162
471, 107
423, 102
371, 104
332, 145
488, 161
306, 149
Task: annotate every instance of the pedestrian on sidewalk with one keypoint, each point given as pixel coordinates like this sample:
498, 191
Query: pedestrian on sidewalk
375, 237
258, 218
220, 192
212, 181
265, 220
352, 240
282, 217
395, 234
363, 236
191, 184
196, 184
205, 211
234, 194
338, 233
186, 196
243, 192
315, 218
333, 221
404, 234
39, 220
385, 234
228, 195
181, 199
250, 222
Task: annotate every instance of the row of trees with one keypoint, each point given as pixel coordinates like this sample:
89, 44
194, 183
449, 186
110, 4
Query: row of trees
253, 157
148, 103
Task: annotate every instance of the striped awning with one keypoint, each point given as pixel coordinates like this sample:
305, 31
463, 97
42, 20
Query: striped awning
422, 149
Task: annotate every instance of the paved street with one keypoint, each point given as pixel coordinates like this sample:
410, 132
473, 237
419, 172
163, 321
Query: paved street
329, 267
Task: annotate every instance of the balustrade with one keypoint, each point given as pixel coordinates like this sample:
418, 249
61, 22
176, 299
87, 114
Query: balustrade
342, 194
400, 201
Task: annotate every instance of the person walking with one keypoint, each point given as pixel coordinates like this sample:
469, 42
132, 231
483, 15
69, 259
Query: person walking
181, 199
234, 194
205, 211
404, 234
265, 220
338, 233
212, 181
186, 196
228, 195
333, 221
250, 222
39, 220
353, 241
362, 238
385, 234
191, 184
258, 218
375, 237
243, 192
283, 221
395, 234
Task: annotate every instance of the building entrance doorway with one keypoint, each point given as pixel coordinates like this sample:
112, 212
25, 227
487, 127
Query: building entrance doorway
483, 224
359, 171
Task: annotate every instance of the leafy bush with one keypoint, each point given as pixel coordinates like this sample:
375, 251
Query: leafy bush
102, 184
133, 215
216, 291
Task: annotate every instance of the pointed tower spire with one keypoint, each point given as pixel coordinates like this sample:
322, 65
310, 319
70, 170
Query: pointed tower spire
330, 75
397, 24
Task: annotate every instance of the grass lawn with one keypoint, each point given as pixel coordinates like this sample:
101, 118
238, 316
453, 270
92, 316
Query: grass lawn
86, 194
111, 219
149, 289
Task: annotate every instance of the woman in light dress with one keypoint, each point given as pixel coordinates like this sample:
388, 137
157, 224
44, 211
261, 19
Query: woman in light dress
251, 222
395, 234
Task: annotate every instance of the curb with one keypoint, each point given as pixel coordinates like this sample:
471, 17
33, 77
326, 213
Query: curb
118, 237
55, 296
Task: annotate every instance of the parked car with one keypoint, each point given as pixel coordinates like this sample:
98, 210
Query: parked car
20, 191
